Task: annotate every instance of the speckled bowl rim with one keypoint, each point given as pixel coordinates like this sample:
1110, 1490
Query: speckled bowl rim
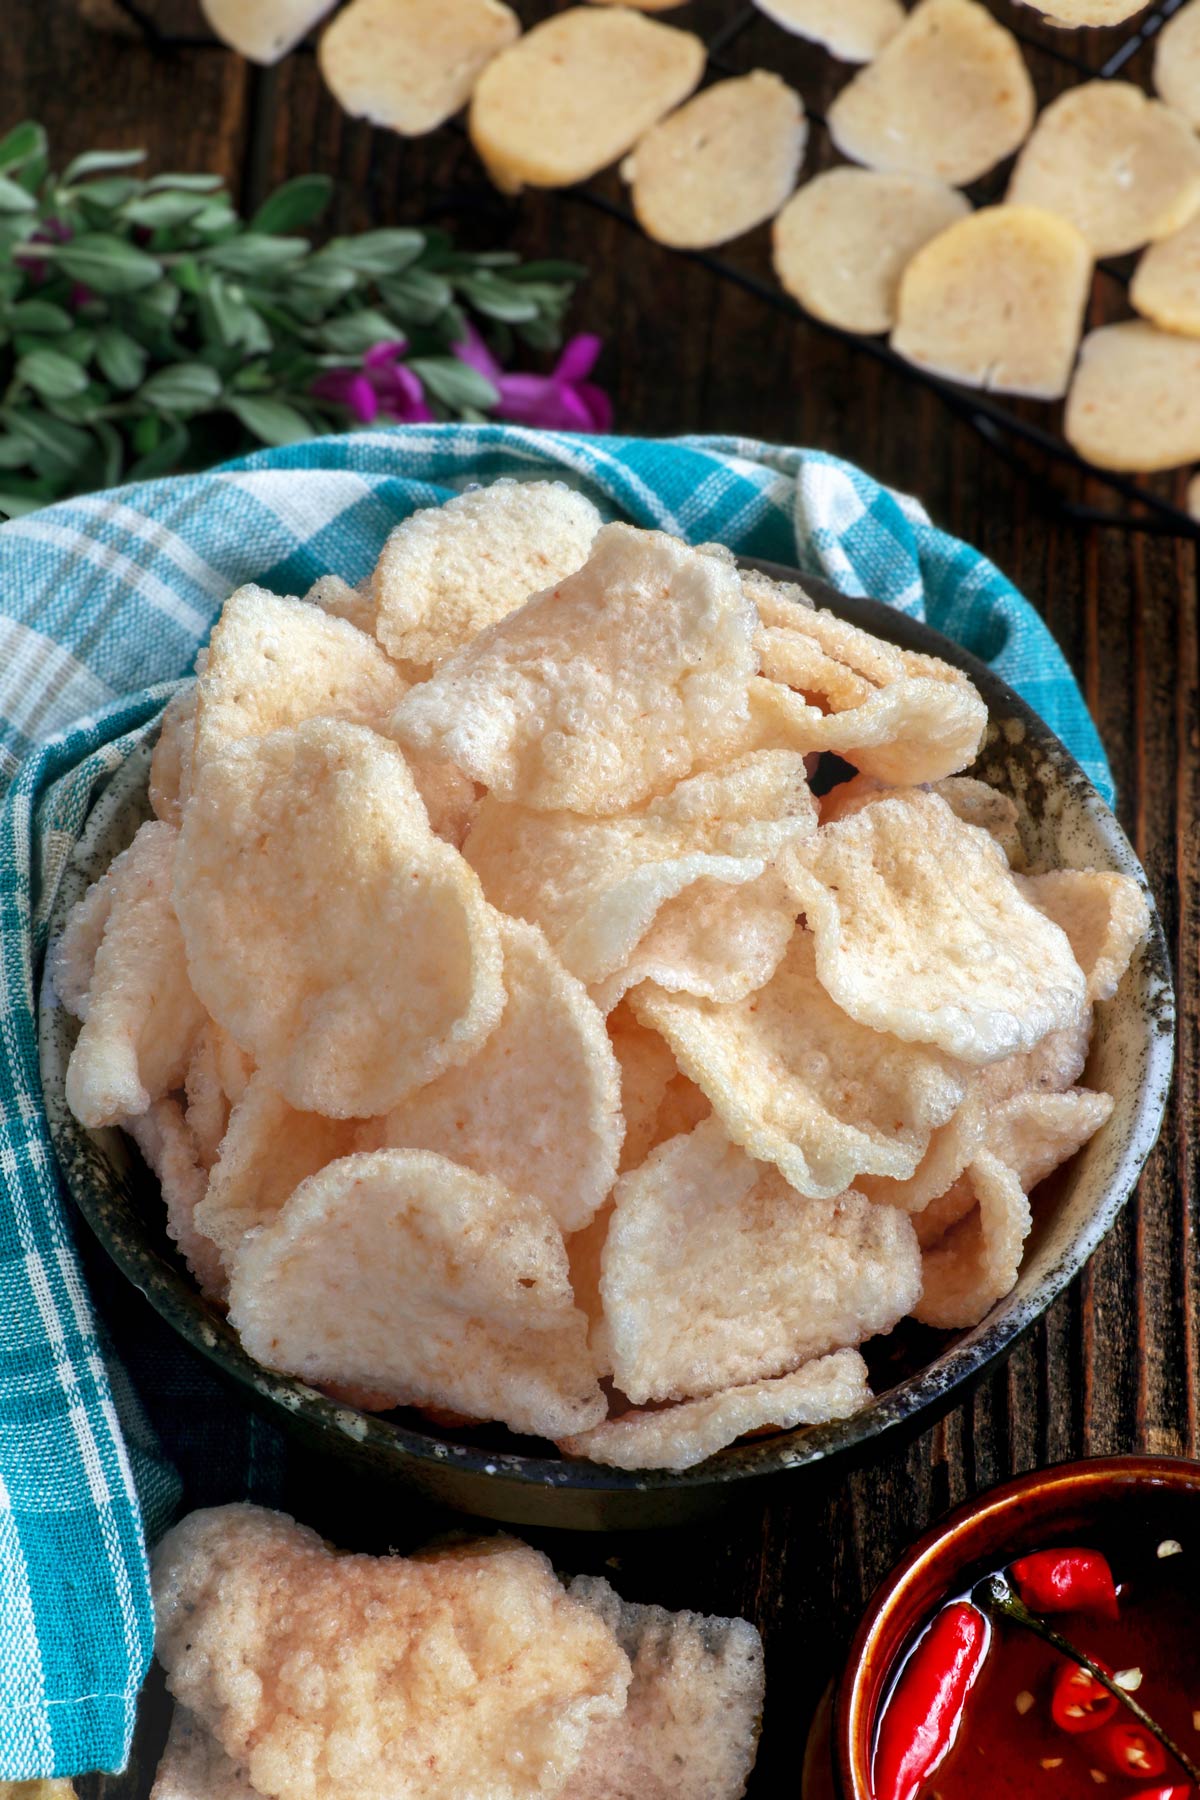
429, 1460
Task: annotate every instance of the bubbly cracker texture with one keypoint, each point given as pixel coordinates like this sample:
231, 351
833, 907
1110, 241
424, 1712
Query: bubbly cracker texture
1177, 62
194, 1766
338, 1677
302, 981
274, 662
263, 30
997, 301
410, 65
724, 163
948, 96
1166, 284
447, 571
171, 763
977, 1262
690, 1726
538, 1106
1122, 168
334, 595
1135, 401
1105, 917
844, 239
854, 30
141, 1017
400, 1271
797, 1082
921, 930
716, 1273
576, 92
679, 1437
169, 1148
605, 690
596, 886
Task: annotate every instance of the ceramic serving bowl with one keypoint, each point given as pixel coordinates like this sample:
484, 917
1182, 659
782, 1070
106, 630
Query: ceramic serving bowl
1147, 1497
916, 1373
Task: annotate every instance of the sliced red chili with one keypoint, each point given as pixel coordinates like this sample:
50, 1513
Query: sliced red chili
1176, 1791
922, 1716
1130, 1749
1053, 1581
1078, 1701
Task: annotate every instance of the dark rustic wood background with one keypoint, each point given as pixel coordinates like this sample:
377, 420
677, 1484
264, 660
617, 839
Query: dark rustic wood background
1115, 1367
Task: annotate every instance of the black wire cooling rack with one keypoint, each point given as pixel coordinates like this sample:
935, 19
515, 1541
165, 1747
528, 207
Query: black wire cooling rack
1017, 432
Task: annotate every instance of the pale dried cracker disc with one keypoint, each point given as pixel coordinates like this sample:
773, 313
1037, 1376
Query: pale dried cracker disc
193, 1765
576, 92
142, 1016
1177, 62
1070, 14
397, 1270
268, 1149
275, 662
447, 571
948, 96
844, 239
722, 164
263, 30
1122, 168
1166, 284
604, 691
716, 1273
853, 30
345, 1676
345, 1007
797, 1082
977, 1262
922, 930
410, 65
714, 939
1135, 401
169, 1148
679, 1437
1105, 917
997, 301
333, 595
690, 1726
171, 763
538, 1105
596, 886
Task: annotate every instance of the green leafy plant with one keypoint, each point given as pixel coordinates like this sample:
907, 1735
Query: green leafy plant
145, 326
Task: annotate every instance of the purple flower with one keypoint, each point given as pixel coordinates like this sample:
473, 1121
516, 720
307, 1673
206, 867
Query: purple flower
381, 388
564, 400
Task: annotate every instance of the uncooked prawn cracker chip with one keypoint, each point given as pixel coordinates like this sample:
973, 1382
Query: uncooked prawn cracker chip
263, 30
398, 1270
345, 1008
922, 930
797, 1082
690, 1726
716, 1273
141, 1016
409, 65
1135, 400
854, 30
1177, 62
596, 886
679, 1437
576, 92
447, 571
249, 1606
949, 96
1104, 915
977, 1262
538, 1105
1166, 284
604, 691
274, 662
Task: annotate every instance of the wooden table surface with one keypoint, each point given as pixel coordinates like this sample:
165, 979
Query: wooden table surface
1115, 1366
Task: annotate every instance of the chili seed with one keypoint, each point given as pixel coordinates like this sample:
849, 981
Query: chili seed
1098, 1776
1052, 1762
1170, 1547
1129, 1679
1024, 1702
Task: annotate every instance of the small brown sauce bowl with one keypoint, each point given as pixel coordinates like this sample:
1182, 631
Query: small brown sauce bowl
1142, 1494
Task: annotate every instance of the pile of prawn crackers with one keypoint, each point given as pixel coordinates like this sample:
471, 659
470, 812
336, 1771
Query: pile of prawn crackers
469, 1670
989, 295
517, 1036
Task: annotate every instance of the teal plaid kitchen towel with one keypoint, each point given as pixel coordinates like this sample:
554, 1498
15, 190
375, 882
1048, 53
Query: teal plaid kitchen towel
105, 599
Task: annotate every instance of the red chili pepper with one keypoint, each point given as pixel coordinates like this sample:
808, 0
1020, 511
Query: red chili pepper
1177, 1791
1078, 1702
1132, 1750
1052, 1581
921, 1719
